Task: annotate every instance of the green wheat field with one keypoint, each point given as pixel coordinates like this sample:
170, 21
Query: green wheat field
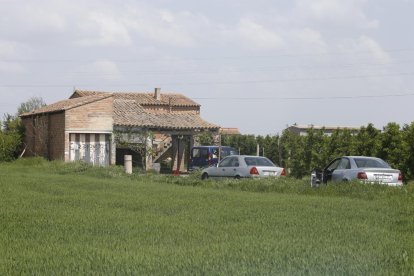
65, 219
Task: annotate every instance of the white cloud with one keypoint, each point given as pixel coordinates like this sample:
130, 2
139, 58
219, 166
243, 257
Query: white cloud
8, 52
343, 12
309, 39
258, 36
366, 46
42, 18
163, 26
103, 68
101, 29
374, 48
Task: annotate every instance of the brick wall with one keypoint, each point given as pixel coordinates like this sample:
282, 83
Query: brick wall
47, 135
28, 137
56, 136
43, 135
95, 117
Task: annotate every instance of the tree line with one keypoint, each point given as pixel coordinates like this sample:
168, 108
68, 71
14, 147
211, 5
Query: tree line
301, 154
298, 154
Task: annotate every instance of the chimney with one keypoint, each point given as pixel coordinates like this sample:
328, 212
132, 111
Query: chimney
157, 94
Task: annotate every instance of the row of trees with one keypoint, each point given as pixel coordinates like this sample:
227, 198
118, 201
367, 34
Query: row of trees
301, 154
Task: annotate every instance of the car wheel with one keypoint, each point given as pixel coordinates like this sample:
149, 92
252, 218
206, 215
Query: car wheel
237, 177
204, 176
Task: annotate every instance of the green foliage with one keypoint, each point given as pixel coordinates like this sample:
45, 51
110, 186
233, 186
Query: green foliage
408, 146
392, 147
12, 130
11, 133
245, 144
77, 220
367, 141
205, 138
301, 154
10, 145
140, 141
30, 105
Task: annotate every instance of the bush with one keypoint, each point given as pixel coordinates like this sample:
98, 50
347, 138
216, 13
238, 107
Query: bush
9, 146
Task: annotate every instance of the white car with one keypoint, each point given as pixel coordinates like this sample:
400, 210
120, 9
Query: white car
242, 166
363, 168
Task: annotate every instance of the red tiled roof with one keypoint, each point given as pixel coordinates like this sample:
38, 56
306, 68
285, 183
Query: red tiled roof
67, 104
129, 113
173, 99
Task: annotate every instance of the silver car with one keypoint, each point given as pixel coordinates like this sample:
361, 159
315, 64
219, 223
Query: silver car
241, 166
363, 168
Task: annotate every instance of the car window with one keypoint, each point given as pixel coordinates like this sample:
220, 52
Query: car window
215, 153
334, 164
258, 161
227, 151
344, 164
226, 162
371, 163
235, 162
200, 153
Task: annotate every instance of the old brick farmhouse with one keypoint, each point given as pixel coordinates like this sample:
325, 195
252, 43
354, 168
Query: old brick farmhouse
85, 127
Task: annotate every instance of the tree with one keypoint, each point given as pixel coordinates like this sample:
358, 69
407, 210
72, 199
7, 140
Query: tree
12, 130
140, 141
11, 133
314, 149
367, 141
408, 141
205, 138
30, 105
392, 149
292, 147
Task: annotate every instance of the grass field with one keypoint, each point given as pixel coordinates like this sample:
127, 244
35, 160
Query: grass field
73, 219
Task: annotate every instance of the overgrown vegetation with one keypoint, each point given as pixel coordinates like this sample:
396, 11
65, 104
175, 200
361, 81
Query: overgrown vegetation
301, 154
72, 218
12, 130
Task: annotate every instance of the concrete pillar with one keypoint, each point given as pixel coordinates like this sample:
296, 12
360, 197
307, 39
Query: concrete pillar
128, 164
148, 158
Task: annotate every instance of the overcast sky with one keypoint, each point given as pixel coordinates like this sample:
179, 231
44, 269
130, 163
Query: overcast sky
256, 65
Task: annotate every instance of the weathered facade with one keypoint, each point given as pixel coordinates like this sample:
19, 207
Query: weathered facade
85, 127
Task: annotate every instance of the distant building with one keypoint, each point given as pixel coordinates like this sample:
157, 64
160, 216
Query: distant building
327, 130
229, 131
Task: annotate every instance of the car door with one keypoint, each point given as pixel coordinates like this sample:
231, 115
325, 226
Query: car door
223, 168
328, 171
233, 169
339, 174
228, 167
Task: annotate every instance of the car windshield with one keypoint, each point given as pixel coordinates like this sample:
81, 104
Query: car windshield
370, 163
258, 161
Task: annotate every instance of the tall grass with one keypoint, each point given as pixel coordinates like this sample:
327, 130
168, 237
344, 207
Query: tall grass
60, 218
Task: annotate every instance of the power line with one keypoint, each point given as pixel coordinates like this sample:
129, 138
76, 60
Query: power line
240, 70
134, 60
213, 82
306, 98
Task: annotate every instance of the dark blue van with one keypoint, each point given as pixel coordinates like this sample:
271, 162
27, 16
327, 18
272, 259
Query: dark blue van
205, 156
